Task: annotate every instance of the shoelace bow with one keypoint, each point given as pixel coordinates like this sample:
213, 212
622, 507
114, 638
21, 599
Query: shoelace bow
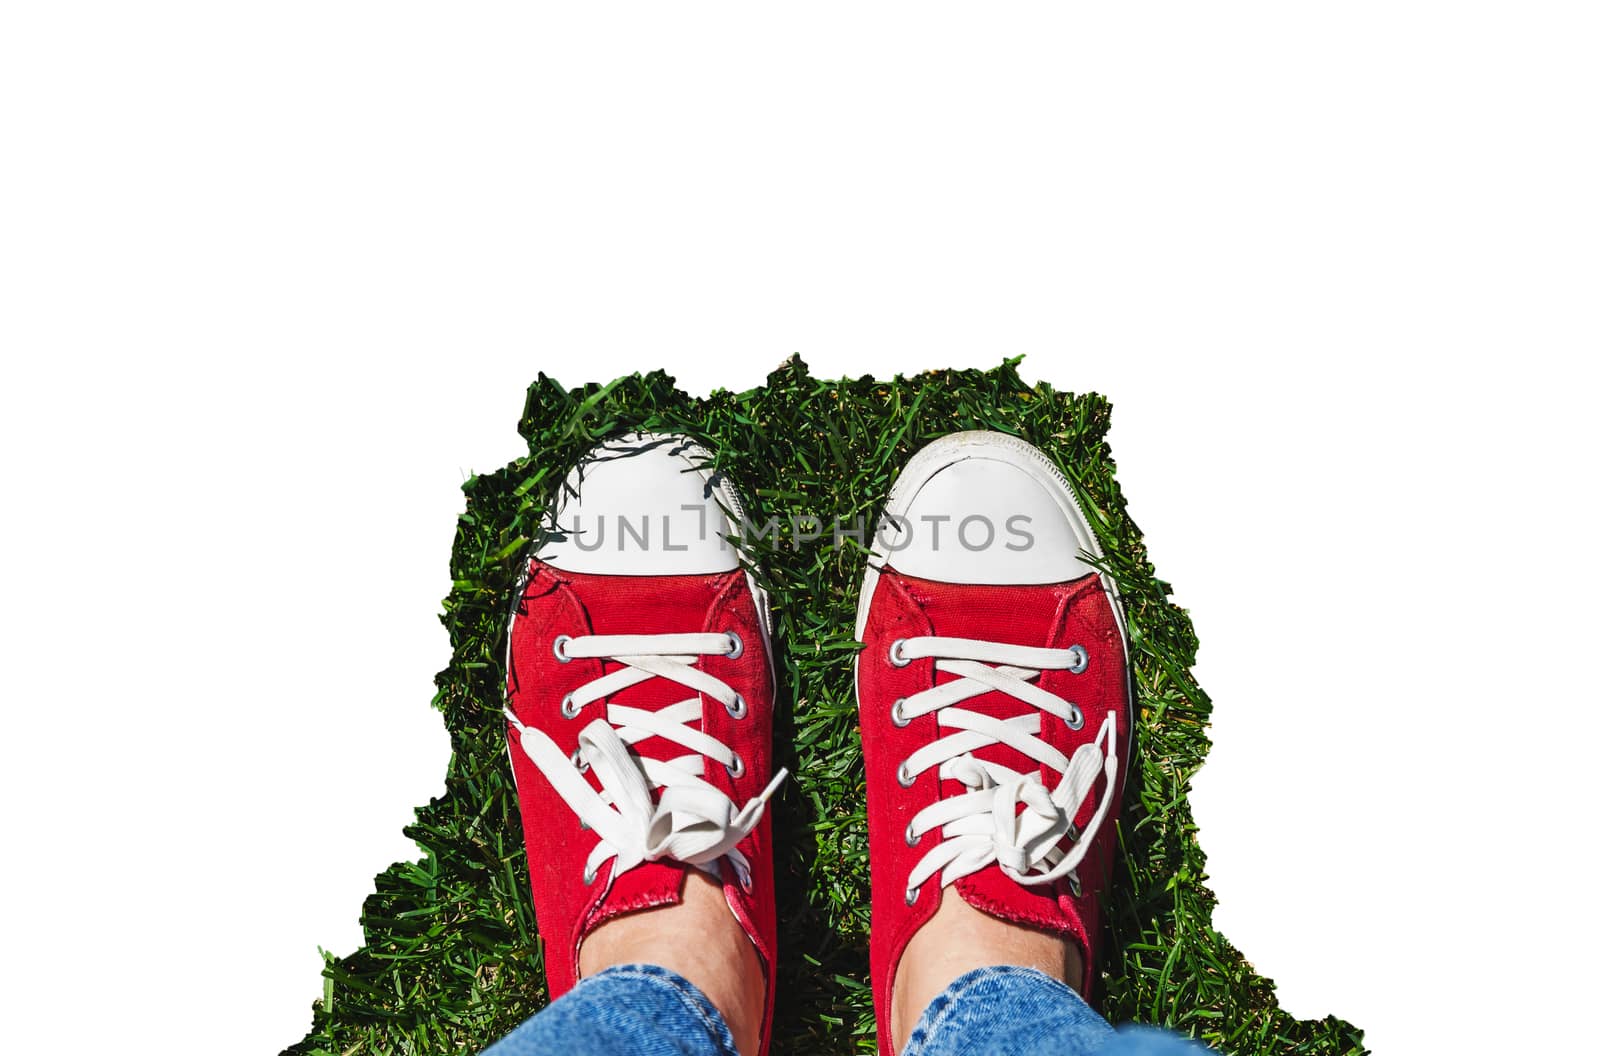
984, 824
692, 821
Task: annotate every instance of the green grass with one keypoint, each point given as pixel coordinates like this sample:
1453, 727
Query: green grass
452, 956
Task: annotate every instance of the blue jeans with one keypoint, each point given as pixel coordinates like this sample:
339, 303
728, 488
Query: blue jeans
643, 1010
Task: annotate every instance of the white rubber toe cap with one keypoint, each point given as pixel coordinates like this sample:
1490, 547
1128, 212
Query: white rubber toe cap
641, 505
981, 507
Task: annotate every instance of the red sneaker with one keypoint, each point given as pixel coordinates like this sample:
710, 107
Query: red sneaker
639, 685
993, 692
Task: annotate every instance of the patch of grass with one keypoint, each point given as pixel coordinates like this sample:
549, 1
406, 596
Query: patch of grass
452, 956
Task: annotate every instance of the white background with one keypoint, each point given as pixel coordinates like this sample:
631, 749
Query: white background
274, 277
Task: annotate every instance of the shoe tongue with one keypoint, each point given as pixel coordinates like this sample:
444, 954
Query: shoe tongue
1011, 615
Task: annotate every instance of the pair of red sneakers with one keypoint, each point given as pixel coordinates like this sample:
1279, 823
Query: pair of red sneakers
992, 686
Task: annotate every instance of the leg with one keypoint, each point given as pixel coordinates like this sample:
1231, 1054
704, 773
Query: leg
698, 939
959, 940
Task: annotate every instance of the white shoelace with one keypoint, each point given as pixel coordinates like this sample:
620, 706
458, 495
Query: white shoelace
983, 825
693, 822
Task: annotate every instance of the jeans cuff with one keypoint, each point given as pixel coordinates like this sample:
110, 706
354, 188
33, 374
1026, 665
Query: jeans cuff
683, 990
968, 1000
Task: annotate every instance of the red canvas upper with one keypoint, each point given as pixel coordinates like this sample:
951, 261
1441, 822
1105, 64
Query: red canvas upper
1053, 616
557, 602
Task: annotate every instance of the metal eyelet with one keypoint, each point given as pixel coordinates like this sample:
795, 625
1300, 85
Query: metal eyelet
736, 768
583, 768
1080, 659
1072, 832
897, 655
1075, 720
558, 647
904, 776
590, 875
569, 707
1074, 885
737, 649
911, 838
738, 709
746, 884
897, 714
911, 895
